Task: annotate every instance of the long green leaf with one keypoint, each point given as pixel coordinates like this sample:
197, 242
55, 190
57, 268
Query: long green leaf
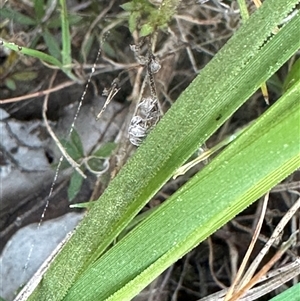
16, 17
32, 52
66, 39
261, 157
247, 60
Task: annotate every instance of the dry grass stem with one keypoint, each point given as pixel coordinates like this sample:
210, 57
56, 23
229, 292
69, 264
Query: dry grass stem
276, 233
265, 269
38, 94
235, 284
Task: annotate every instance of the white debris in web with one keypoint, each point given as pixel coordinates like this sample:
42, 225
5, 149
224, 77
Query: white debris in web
147, 113
144, 121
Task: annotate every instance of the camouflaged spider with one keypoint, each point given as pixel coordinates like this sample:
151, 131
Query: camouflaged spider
147, 114
146, 118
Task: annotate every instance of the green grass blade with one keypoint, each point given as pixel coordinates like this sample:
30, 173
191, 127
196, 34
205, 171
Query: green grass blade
235, 73
66, 53
243, 10
16, 17
66, 39
39, 9
34, 53
260, 158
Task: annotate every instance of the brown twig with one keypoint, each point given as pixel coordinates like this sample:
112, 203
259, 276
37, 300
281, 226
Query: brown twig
38, 94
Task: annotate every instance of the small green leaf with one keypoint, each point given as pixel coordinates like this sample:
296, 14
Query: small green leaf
132, 21
76, 141
73, 147
75, 185
72, 152
16, 17
109, 50
52, 44
105, 150
39, 9
128, 6
10, 84
25, 75
97, 165
74, 19
55, 22
146, 30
